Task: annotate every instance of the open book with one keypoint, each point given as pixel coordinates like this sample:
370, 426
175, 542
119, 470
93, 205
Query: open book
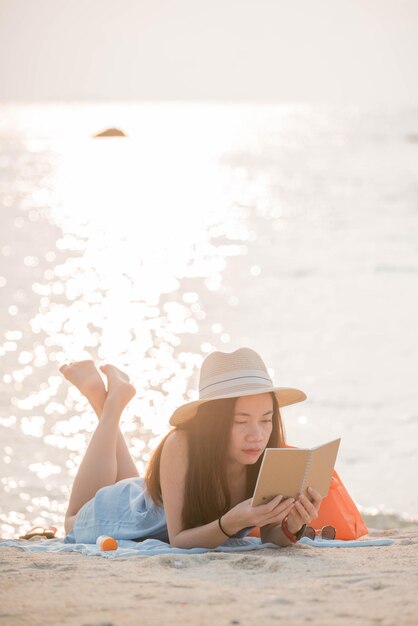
290, 471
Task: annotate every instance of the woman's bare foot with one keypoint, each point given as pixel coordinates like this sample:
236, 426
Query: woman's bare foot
118, 386
85, 376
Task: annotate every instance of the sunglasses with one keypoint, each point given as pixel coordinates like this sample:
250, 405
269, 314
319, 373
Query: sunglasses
327, 532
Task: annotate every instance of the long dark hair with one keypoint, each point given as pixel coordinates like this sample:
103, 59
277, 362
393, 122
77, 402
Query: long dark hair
206, 488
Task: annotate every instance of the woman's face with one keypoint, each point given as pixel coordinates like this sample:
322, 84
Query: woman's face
252, 424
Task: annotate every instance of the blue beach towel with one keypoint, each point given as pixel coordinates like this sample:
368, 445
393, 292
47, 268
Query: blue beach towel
125, 511
153, 547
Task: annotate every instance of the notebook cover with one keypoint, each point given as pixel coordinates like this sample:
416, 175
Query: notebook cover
319, 469
287, 471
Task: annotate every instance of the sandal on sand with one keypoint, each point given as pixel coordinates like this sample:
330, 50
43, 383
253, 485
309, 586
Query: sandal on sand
40, 531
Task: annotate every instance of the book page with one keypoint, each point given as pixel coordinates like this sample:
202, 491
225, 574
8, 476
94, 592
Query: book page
320, 467
281, 473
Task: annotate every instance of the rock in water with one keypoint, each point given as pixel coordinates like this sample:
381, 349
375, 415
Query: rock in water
111, 132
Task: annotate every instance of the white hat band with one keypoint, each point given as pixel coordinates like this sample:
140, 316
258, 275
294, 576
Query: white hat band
238, 378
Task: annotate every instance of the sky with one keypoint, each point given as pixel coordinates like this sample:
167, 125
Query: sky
344, 51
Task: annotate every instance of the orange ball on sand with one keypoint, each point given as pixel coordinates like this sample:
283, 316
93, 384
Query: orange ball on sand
106, 543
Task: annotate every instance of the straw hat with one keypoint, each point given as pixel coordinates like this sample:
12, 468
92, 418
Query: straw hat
230, 375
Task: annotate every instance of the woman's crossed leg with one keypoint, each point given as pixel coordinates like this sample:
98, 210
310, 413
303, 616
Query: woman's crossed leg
107, 459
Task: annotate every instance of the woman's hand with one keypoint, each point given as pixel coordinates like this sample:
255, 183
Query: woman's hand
304, 511
243, 514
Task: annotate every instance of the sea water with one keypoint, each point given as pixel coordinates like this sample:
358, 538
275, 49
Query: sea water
292, 229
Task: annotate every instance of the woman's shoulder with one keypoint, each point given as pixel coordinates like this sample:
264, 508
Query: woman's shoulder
175, 448
176, 440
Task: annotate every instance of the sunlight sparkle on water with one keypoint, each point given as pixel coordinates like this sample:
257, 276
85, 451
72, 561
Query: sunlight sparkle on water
126, 244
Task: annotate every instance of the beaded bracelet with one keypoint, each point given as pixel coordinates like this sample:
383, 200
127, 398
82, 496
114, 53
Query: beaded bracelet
220, 526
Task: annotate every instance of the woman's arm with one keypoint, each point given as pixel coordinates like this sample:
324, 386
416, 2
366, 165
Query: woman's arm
272, 533
207, 536
242, 515
173, 470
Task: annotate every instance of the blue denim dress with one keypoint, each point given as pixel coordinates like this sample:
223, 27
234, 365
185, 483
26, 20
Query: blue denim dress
124, 510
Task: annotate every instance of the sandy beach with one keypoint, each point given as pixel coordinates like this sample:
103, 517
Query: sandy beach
179, 179
371, 585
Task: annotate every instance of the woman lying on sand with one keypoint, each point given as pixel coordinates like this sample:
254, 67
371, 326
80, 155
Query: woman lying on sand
198, 485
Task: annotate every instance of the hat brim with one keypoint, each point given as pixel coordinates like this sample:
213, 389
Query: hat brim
284, 395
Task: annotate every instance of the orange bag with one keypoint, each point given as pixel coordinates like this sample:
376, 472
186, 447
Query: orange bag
338, 510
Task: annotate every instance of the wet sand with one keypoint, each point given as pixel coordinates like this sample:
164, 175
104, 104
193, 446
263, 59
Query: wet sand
292, 586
